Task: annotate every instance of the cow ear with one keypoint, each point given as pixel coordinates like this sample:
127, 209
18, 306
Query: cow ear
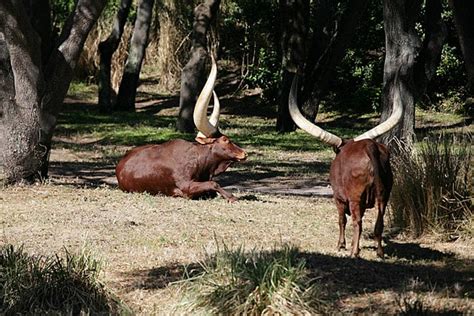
205, 140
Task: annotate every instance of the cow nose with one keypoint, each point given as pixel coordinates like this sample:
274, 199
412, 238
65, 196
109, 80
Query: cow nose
243, 156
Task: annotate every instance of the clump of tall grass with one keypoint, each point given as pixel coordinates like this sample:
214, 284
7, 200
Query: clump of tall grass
433, 185
52, 285
254, 283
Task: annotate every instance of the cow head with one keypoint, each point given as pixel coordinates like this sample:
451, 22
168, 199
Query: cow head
332, 139
209, 133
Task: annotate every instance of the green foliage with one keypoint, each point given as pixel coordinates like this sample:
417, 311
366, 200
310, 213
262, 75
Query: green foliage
433, 185
249, 34
447, 89
450, 62
359, 88
255, 283
60, 10
265, 73
39, 285
358, 82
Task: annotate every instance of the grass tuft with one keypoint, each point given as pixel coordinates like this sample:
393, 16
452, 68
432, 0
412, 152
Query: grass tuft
52, 285
259, 282
411, 307
433, 186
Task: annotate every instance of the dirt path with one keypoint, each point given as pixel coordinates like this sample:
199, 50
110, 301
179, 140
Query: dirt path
91, 169
85, 174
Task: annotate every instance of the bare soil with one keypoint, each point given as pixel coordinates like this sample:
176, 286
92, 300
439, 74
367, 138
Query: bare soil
147, 241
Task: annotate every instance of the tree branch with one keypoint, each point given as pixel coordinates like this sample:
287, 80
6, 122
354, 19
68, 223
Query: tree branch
61, 65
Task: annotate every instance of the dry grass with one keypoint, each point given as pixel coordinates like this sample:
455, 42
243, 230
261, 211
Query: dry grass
167, 50
145, 241
89, 60
257, 282
168, 53
58, 284
148, 242
433, 185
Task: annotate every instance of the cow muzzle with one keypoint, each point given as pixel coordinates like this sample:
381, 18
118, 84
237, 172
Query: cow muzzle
242, 156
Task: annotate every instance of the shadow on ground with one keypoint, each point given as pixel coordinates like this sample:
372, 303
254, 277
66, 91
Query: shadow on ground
344, 277
413, 252
280, 177
253, 177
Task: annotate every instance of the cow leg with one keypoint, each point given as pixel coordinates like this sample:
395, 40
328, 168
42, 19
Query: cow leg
177, 192
381, 205
356, 214
341, 209
198, 188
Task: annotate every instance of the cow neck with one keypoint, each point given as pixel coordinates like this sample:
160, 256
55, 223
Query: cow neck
210, 163
205, 161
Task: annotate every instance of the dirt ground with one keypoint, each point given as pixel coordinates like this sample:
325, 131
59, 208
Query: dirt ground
146, 241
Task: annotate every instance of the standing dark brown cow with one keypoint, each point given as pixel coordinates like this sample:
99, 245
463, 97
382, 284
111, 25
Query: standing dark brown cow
360, 174
182, 168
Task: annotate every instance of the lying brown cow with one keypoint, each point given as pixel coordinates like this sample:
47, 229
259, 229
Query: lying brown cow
182, 168
360, 174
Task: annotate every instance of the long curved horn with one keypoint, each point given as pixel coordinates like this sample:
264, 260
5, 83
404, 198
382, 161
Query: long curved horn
394, 119
306, 125
200, 109
216, 111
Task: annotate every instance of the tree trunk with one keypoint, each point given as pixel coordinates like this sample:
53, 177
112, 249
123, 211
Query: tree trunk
19, 126
402, 46
29, 118
39, 12
463, 13
131, 73
430, 54
106, 49
295, 23
318, 77
193, 76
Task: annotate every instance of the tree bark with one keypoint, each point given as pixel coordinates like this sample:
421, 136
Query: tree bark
430, 55
138, 43
29, 118
295, 23
39, 12
23, 85
463, 13
193, 76
319, 74
402, 47
106, 49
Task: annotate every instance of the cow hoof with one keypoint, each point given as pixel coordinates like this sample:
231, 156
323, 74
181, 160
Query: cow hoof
380, 253
355, 255
341, 247
232, 199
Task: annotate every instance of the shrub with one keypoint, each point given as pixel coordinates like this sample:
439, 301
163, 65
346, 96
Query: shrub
235, 282
52, 285
433, 185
